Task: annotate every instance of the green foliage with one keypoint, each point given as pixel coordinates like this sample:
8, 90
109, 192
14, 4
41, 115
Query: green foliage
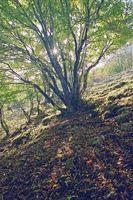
32, 32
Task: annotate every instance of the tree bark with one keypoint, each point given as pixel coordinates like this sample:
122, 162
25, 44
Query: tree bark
3, 123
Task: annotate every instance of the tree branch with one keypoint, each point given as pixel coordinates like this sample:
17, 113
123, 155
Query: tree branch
32, 84
104, 50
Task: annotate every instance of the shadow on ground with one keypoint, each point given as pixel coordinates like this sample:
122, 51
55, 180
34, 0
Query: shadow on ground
81, 157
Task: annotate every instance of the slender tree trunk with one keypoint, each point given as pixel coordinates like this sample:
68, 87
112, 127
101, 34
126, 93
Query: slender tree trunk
38, 104
25, 113
3, 123
31, 110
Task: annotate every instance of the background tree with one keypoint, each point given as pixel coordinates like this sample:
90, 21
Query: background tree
6, 97
54, 44
18, 102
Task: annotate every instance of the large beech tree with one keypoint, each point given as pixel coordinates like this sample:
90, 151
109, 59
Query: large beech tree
53, 44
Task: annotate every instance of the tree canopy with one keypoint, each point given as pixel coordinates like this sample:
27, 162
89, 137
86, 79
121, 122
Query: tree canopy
52, 45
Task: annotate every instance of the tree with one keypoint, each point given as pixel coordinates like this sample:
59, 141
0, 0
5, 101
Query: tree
5, 96
3, 123
53, 44
15, 100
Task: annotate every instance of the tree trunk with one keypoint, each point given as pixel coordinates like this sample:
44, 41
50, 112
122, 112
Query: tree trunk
25, 114
38, 104
3, 123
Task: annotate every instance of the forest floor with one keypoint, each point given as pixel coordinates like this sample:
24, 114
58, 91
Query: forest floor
86, 156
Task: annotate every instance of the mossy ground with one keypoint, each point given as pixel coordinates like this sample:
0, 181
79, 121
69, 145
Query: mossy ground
81, 157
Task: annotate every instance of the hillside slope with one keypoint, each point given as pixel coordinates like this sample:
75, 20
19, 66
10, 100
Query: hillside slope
84, 156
